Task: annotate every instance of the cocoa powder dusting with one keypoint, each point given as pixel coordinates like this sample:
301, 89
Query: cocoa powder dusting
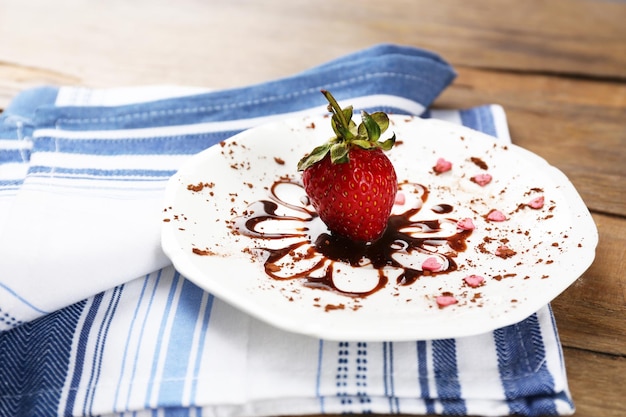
479, 163
203, 252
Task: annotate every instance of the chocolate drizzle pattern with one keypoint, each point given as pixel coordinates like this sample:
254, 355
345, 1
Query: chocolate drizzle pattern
315, 257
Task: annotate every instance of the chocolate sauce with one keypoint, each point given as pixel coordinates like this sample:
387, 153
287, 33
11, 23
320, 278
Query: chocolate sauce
261, 211
442, 208
404, 235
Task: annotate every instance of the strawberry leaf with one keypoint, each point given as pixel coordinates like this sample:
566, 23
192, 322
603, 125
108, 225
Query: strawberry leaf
362, 131
347, 134
373, 130
314, 157
363, 143
339, 153
347, 115
388, 144
381, 119
339, 129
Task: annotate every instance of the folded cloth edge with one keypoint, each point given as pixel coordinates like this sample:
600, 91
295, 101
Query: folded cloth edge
407, 79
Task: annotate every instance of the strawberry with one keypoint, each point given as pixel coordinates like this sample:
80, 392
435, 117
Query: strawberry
349, 180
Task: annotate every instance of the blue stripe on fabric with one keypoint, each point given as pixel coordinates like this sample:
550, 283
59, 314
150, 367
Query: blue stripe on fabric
528, 385
386, 383
8, 320
318, 378
479, 118
131, 330
158, 145
174, 412
10, 184
35, 359
386, 374
422, 372
81, 349
161, 336
177, 412
361, 378
342, 374
388, 377
91, 173
157, 279
206, 318
178, 353
447, 377
103, 331
11, 156
22, 299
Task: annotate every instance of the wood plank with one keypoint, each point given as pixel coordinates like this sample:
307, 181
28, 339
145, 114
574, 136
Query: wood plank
591, 314
576, 125
227, 43
596, 382
564, 37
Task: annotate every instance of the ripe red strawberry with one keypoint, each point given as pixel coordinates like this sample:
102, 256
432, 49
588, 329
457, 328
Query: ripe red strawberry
349, 180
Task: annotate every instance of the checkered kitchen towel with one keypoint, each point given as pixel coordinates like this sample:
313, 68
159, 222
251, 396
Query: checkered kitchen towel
94, 320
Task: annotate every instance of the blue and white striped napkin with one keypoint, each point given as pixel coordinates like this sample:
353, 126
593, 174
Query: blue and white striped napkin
94, 320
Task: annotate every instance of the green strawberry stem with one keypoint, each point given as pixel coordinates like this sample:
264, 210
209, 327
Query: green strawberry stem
347, 133
336, 109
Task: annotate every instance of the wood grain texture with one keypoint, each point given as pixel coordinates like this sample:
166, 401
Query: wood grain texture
226, 43
596, 382
591, 314
557, 67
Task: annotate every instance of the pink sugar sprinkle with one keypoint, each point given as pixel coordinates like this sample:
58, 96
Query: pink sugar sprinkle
496, 216
474, 280
482, 179
400, 198
536, 203
442, 166
431, 264
445, 300
465, 224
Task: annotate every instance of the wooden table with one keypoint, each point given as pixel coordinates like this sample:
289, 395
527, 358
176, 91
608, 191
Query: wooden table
558, 67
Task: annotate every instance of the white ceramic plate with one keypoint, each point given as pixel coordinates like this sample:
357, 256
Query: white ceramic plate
214, 201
